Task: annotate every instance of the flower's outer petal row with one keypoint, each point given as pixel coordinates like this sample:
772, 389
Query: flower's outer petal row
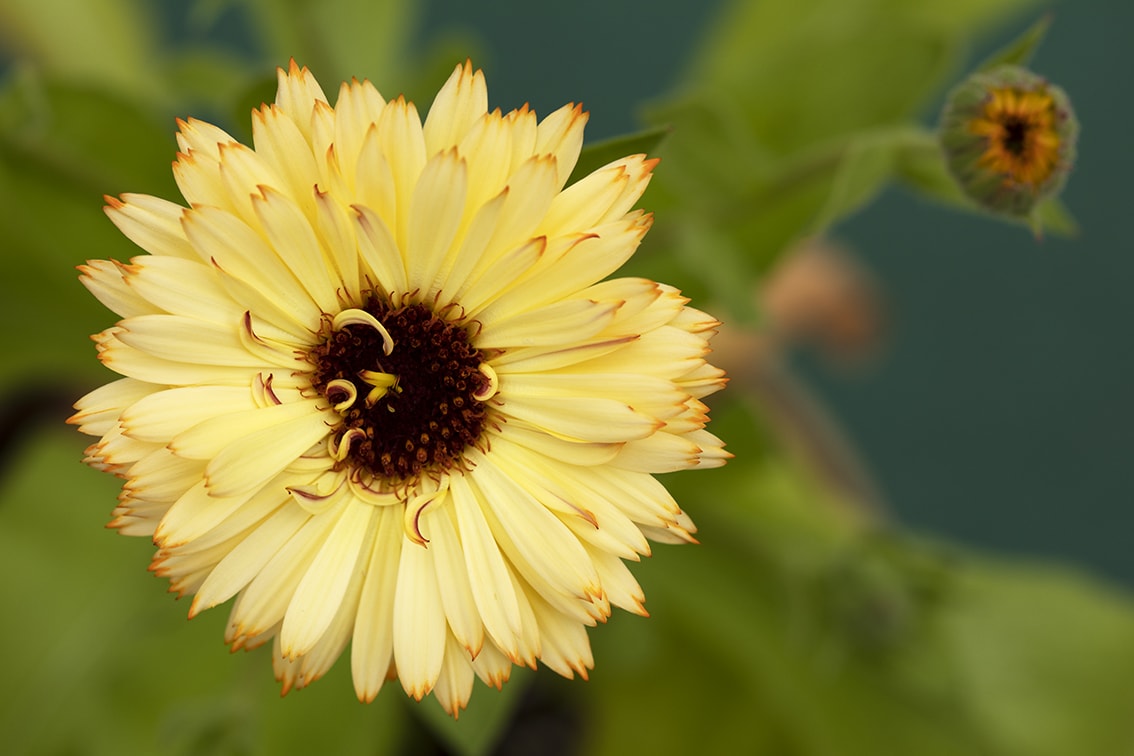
462, 100
297, 94
106, 279
372, 645
153, 224
98, 411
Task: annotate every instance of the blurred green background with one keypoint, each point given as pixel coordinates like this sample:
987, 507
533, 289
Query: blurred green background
992, 416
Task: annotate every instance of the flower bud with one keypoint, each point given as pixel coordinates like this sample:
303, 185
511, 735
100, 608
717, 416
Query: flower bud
1009, 138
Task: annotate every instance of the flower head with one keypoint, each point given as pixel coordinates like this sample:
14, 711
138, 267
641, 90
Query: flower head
1009, 137
377, 389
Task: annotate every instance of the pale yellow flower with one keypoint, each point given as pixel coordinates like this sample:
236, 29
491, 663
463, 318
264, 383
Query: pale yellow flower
378, 390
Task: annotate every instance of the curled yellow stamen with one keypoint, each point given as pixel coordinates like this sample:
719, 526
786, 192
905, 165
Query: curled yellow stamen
416, 506
491, 387
341, 386
355, 316
382, 383
339, 448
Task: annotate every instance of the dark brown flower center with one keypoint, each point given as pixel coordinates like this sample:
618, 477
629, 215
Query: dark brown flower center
409, 385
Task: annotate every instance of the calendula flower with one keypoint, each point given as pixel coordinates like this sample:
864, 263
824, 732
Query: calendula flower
377, 389
1009, 138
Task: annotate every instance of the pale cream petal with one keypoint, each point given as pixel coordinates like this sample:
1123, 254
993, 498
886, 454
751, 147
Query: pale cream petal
153, 224
660, 453
164, 414
531, 191
617, 582
208, 438
552, 551
588, 258
461, 101
419, 623
262, 603
106, 279
128, 361
374, 180
198, 178
98, 411
383, 263
524, 128
563, 322
281, 144
492, 666
294, 241
335, 227
436, 214
242, 253
319, 660
183, 287
249, 557
161, 476
487, 572
195, 134
372, 647
605, 195
454, 683
323, 588
187, 339
561, 134
577, 418
712, 449
456, 269
359, 105
568, 452
438, 525
487, 148
589, 513
245, 175
297, 94
241, 523
249, 462
647, 393
543, 359
399, 132
196, 512
566, 649
484, 286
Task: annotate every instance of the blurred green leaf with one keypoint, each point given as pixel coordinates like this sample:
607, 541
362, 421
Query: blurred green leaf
1051, 215
338, 39
102, 641
478, 729
794, 114
1045, 659
796, 631
598, 154
62, 146
105, 43
1019, 51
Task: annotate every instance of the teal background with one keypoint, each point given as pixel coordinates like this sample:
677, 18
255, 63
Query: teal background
1000, 412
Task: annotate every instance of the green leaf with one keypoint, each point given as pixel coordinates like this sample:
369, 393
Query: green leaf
1019, 51
867, 163
1054, 216
595, 156
107, 43
479, 727
101, 636
339, 39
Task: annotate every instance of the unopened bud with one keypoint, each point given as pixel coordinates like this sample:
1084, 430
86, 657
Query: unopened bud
1009, 138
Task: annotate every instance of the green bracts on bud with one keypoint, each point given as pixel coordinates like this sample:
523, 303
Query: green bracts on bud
1009, 138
